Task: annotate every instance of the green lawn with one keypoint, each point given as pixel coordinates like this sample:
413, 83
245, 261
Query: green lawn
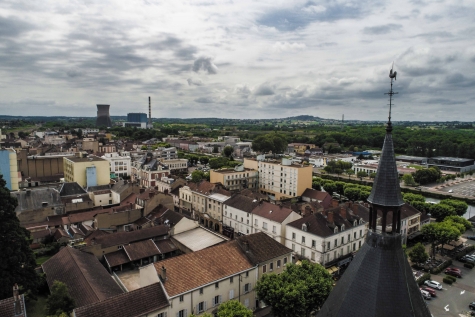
36, 308
417, 167
42, 259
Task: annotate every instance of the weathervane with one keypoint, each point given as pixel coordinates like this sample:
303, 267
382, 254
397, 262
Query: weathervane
392, 75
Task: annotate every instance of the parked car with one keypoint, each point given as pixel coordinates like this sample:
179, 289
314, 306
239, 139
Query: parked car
429, 290
451, 191
426, 295
471, 237
454, 269
433, 284
453, 273
471, 305
467, 259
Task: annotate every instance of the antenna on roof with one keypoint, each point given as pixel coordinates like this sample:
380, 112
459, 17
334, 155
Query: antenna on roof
392, 75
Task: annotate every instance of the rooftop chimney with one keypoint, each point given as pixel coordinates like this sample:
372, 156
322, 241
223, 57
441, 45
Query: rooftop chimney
354, 207
334, 203
16, 298
164, 274
330, 217
246, 246
343, 212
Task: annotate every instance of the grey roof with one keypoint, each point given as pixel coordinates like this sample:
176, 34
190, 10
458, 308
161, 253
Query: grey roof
98, 187
73, 188
32, 199
120, 186
242, 202
378, 282
386, 190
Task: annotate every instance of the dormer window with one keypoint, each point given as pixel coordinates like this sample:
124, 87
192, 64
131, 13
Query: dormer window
354, 223
304, 227
335, 230
342, 227
361, 221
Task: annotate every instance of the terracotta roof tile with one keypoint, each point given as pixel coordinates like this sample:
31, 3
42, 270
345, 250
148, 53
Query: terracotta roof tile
117, 258
140, 250
87, 279
121, 238
136, 303
165, 246
192, 270
7, 307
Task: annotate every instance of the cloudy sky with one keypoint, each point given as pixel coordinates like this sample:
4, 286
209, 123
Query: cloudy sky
238, 58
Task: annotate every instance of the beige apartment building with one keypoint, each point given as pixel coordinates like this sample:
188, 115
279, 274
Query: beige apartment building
86, 171
281, 179
237, 178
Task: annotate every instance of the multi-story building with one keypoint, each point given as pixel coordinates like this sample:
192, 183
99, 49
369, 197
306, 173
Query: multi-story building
119, 165
148, 170
272, 219
9, 168
168, 184
328, 238
237, 178
237, 215
281, 180
217, 274
86, 171
299, 147
176, 166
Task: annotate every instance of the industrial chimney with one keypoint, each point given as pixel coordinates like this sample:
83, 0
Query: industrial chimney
149, 125
103, 117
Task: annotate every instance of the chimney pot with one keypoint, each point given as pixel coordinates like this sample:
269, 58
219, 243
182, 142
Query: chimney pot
246, 246
164, 273
330, 217
343, 212
334, 203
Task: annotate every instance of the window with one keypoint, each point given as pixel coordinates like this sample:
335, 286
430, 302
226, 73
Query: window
303, 240
285, 260
201, 290
335, 230
348, 249
182, 313
231, 294
342, 227
181, 298
336, 243
304, 227
312, 257
162, 315
246, 302
231, 279
271, 266
354, 235
342, 240
264, 225
274, 229
201, 307
293, 235
328, 245
242, 219
217, 300
302, 251
361, 233
231, 215
247, 274
359, 245
247, 288
314, 244
216, 285
354, 246
264, 268
293, 247
278, 263
255, 222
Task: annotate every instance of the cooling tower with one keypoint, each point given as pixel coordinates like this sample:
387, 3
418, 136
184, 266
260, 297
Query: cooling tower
103, 117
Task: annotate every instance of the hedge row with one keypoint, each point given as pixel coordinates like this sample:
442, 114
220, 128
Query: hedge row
447, 280
423, 278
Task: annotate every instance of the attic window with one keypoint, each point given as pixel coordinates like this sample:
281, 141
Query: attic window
304, 227
361, 220
342, 227
335, 230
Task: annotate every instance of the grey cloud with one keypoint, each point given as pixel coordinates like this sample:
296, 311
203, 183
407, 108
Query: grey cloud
194, 81
205, 64
73, 73
435, 34
382, 29
12, 27
264, 90
204, 100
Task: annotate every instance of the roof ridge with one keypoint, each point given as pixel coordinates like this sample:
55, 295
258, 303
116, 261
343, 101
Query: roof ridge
80, 269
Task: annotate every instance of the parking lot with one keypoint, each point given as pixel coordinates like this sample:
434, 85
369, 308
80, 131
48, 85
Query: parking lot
464, 187
453, 299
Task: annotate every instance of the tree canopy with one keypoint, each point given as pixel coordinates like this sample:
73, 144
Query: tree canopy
59, 301
17, 261
418, 253
228, 150
234, 308
427, 175
441, 232
271, 142
298, 291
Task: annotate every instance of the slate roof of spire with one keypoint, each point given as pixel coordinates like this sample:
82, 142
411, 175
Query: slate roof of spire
386, 190
379, 282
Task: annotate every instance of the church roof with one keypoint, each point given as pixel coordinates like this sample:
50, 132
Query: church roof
386, 190
378, 282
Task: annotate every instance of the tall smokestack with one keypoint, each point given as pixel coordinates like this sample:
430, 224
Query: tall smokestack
103, 117
150, 126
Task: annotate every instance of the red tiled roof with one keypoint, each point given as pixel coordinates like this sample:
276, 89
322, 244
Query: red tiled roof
140, 250
165, 246
117, 258
87, 279
139, 302
192, 270
121, 238
7, 307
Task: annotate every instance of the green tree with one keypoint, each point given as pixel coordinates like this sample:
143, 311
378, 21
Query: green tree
418, 254
349, 172
17, 261
372, 175
440, 233
204, 159
459, 206
440, 211
362, 174
427, 175
316, 185
330, 187
197, 176
352, 193
408, 180
234, 308
271, 142
409, 197
59, 301
215, 149
298, 291
228, 150
460, 220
